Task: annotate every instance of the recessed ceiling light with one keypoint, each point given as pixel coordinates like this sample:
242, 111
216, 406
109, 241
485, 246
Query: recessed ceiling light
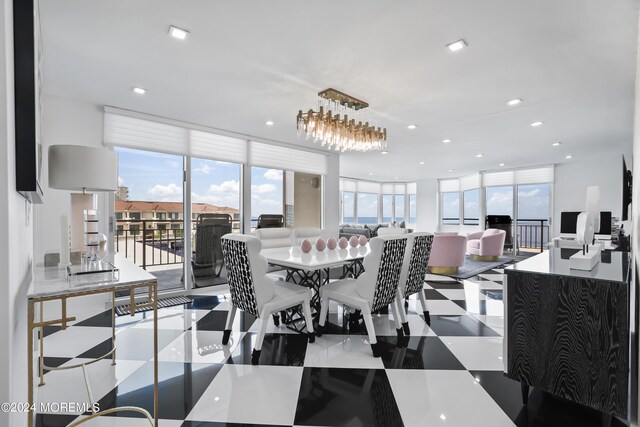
451, 170
514, 101
412, 127
139, 90
269, 123
178, 33
443, 417
501, 164
568, 156
370, 173
457, 45
555, 144
397, 177
422, 163
536, 124
479, 155
446, 141
384, 152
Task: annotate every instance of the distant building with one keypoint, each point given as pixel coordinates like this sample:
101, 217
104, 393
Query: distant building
162, 215
122, 193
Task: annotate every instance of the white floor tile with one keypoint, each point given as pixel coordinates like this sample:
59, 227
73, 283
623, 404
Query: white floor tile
68, 385
74, 340
439, 306
468, 294
177, 318
443, 398
494, 322
137, 344
271, 390
342, 351
438, 278
200, 347
477, 353
482, 284
492, 276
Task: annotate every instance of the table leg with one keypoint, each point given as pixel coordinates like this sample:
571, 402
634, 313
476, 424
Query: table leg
155, 353
41, 340
113, 327
30, 315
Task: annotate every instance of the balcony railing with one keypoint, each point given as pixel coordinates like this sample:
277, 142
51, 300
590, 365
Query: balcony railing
147, 245
530, 233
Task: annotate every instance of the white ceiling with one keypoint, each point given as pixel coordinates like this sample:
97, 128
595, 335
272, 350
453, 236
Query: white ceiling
245, 62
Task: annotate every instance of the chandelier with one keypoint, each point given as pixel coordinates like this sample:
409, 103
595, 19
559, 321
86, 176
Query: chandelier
341, 125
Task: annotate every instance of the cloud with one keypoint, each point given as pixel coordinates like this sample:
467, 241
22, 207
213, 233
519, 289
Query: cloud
226, 187
263, 188
273, 174
120, 182
165, 193
203, 168
531, 193
174, 164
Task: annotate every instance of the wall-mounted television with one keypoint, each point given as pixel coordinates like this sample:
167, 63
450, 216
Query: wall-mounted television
627, 190
569, 223
27, 82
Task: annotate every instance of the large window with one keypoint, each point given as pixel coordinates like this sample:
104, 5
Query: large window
267, 195
348, 207
500, 200
387, 208
399, 207
215, 188
412, 209
471, 207
450, 208
367, 208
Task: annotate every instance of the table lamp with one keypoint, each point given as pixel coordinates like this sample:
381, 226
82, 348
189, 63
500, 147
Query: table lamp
85, 169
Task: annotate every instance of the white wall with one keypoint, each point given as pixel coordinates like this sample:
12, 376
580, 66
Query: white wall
332, 195
16, 243
573, 177
427, 205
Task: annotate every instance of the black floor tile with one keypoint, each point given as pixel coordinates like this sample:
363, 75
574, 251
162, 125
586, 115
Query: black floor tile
338, 397
52, 362
277, 350
54, 420
48, 330
101, 319
476, 307
203, 302
144, 351
460, 326
543, 409
180, 386
433, 294
216, 424
216, 320
417, 353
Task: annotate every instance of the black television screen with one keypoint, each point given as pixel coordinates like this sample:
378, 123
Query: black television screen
627, 185
605, 223
568, 222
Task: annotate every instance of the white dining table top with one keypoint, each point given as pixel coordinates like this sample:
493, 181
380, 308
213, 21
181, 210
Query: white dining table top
293, 257
51, 281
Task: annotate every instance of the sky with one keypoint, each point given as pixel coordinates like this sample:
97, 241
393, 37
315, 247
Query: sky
158, 177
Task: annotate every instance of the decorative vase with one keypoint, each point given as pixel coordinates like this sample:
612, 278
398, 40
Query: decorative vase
320, 245
343, 242
362, 240
331, 243
353, 241
306, 246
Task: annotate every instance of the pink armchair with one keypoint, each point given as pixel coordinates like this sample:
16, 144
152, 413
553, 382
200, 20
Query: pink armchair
486, 245
447, 253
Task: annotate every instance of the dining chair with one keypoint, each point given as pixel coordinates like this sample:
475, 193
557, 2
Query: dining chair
256, 293
414, 269
374, 289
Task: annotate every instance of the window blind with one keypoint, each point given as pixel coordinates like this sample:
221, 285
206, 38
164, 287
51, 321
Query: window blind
449, 185
412, 188
534, 176
470, 182
492, 179
386, 188
348, 185
278, 157
368, 187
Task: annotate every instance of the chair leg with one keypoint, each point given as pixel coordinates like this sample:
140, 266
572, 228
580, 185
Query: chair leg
324, 311
306, 308
368, 321
403, 314
396, 320
227, 329
255, 356
425, 310
276, 319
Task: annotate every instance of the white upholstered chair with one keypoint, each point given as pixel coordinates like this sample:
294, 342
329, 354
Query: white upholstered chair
255, 292
414, 268
374, 289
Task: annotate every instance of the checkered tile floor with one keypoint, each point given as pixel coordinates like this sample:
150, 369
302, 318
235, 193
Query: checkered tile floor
447, 374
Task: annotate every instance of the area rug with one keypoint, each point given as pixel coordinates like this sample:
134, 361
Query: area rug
472, 268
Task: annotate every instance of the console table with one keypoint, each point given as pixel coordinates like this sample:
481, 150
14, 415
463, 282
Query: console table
567, 331
50, 284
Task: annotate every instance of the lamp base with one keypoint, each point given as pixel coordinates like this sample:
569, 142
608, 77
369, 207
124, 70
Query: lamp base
587, 261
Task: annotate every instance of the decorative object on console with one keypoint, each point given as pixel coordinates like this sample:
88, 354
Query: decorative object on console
331, 243
340, 124
343, 243
587, 223
306, 246
320, 244
362, 240
353, 241
79, 168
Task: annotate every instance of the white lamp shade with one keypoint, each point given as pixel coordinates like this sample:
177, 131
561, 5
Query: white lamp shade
593, 205
79, 168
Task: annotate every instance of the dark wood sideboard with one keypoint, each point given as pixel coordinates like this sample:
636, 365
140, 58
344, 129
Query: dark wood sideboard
567, 331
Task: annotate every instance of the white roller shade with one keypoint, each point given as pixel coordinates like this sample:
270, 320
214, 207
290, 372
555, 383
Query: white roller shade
534, 176
368, 187
348, 185
449, 185
492, 179
277, 157
143, 134
412, 188
217, 147
470, 182
387, 188
399, 188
